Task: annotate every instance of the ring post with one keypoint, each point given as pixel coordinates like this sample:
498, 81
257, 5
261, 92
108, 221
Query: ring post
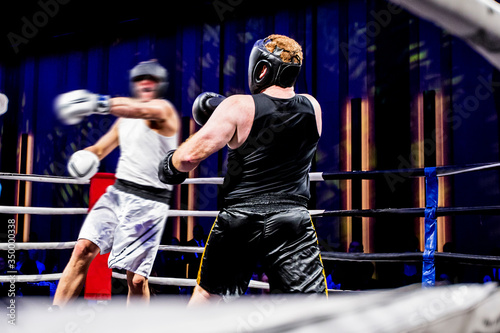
431, 203
98, 281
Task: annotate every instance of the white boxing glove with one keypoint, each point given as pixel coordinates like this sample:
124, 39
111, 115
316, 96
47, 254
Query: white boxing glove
83, 164
4, 104
72, 106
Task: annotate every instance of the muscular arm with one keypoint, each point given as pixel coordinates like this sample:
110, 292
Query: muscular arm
158, 111
106, 143
126, 107
224, 126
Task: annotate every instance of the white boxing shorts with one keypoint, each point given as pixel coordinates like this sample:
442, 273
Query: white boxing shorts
127, 225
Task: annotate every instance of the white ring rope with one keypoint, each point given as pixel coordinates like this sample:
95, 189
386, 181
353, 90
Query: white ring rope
195, 213
472, 169
37, 246
70, 245
42, 210
164, 281
82, 211
316, 176
213, 180
313, 176
185, 249
42, 178
30, 278
185, 282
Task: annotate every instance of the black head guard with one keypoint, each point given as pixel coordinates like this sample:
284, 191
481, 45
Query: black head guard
280, 73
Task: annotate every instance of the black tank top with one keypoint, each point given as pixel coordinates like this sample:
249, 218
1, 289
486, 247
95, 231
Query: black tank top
276, 157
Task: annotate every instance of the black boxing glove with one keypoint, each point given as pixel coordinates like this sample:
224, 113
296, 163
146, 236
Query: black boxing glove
204, 105
167, 173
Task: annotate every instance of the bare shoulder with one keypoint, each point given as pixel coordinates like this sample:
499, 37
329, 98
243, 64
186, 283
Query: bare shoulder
313, 100
163, 103
242, 110
238, 106
167, 123
242, 101
168, 109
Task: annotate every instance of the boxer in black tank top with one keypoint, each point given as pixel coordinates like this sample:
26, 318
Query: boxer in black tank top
265, 217
272, 136
277, 155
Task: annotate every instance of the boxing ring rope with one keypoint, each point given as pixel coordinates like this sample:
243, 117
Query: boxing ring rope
313, 176
441, 171
415, 212
470, 259
164, 281
30, 278
428, 256
42, 210
70, 245
185, 282
466, 259
83, 211
42, 178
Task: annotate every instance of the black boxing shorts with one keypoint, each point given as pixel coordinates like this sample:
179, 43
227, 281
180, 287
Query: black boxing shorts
277, 233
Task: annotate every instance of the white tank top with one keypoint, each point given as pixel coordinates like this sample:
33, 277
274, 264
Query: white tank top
142, 149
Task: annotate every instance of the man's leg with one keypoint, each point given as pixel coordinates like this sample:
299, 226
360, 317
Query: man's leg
138, 288
293, 265
200, 297
73, 276
232, 228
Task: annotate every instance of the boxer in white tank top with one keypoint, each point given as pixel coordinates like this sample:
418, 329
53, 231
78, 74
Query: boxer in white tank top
128, 220
141, 149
